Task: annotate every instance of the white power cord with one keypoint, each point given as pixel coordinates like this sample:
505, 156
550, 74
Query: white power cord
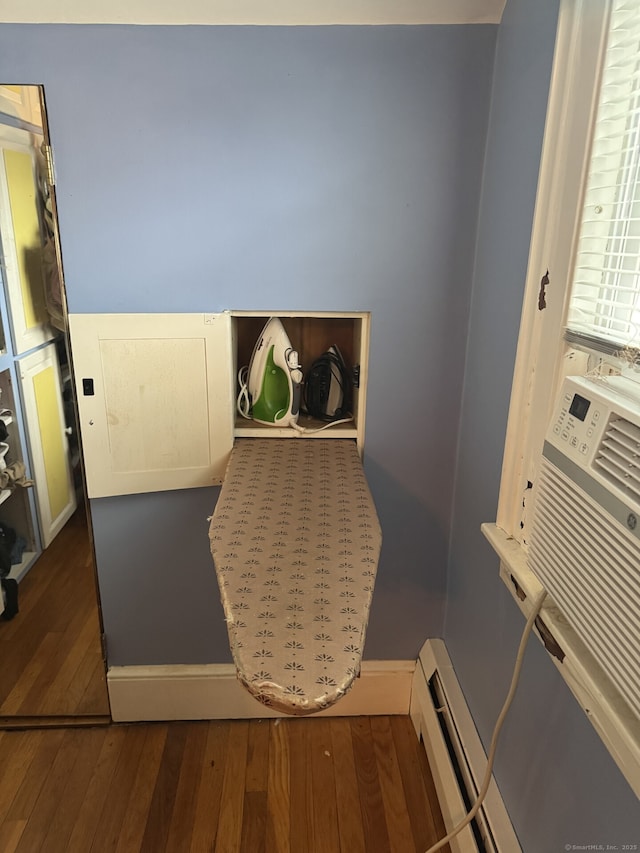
243, 403
306, 430
537, 606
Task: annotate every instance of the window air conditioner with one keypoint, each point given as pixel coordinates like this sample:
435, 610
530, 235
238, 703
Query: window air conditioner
585, 540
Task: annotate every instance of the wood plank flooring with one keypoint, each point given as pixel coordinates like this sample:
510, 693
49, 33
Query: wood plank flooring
333, 785
51, 664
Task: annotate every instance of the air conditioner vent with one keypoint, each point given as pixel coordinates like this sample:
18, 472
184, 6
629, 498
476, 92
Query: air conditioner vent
618, 457
584, 548
590, 568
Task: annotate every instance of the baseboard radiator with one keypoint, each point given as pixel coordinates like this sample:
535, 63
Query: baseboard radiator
444, 724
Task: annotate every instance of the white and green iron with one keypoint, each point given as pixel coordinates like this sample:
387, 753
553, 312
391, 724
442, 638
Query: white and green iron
274, 380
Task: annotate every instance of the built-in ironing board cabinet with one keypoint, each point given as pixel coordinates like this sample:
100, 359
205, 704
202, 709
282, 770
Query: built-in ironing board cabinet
294, 537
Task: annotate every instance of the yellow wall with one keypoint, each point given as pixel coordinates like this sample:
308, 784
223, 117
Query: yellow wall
51, 436
26, 229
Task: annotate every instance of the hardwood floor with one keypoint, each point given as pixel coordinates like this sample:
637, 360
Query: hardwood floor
333, 785
51, 665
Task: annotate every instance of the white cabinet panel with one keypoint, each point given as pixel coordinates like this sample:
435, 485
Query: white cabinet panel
155, 397
44, 420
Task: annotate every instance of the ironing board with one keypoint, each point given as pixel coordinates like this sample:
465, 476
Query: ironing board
295, 541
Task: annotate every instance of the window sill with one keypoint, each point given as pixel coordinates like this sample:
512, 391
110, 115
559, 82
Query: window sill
616, 724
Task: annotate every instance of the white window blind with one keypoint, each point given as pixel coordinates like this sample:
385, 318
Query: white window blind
604, 306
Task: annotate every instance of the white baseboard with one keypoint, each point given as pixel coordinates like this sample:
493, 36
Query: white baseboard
494, 821
212, 692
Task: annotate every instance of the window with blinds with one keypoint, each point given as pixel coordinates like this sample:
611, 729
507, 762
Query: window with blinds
604, 305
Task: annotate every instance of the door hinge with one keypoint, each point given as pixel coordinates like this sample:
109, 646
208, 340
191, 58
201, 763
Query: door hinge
103, 643
47, 153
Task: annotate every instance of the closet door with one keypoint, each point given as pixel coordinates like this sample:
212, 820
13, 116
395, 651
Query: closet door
21, 234
45, 424
155, 396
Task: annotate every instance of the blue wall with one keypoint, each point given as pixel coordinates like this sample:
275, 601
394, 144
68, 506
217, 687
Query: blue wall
262, 168
559, 784
334, 168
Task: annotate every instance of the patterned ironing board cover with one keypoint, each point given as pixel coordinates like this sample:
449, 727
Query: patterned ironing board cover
295, 540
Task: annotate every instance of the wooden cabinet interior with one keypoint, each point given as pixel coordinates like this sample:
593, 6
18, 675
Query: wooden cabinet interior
311, 334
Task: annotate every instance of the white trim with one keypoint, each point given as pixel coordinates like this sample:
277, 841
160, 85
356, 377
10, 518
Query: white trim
212, 692
539, 368
255, 12
435, 659
611, 717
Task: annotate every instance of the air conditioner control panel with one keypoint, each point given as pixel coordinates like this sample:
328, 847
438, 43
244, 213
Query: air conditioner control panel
578, 422
584, 411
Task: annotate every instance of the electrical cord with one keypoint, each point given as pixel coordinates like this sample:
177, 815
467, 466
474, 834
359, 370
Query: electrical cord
537, 606
243, 406
314, 393
306, 430
243, 403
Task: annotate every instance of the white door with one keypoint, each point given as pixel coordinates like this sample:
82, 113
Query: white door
45, 424
155, 398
